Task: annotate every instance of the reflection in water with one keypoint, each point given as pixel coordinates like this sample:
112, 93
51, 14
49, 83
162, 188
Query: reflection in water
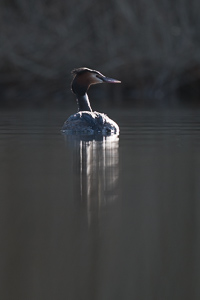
143, 246
96, 165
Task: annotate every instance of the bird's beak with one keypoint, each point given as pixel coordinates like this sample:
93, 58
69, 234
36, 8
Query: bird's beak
109, 80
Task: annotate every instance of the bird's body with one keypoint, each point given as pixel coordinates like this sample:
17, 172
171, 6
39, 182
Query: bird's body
85, 121
90, 122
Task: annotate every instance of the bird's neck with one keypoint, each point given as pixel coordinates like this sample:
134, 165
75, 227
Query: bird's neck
83, 103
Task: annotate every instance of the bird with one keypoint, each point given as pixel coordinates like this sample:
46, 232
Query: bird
86, 121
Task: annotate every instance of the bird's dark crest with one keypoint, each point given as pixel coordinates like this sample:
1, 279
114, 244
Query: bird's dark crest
82, 70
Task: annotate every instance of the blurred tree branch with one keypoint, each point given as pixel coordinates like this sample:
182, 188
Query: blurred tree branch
157, 40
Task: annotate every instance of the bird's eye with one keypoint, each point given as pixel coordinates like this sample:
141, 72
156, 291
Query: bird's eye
99, 77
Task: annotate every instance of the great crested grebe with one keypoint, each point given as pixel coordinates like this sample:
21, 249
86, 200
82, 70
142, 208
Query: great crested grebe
86, 121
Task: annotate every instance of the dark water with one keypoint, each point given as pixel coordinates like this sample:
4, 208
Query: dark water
100, 219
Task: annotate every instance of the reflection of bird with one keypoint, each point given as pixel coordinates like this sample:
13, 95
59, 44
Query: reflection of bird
85, 120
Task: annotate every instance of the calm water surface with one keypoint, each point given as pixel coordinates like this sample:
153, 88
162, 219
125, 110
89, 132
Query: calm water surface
111, 218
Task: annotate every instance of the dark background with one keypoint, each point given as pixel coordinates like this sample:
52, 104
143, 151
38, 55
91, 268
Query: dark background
111, 218
151, 46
